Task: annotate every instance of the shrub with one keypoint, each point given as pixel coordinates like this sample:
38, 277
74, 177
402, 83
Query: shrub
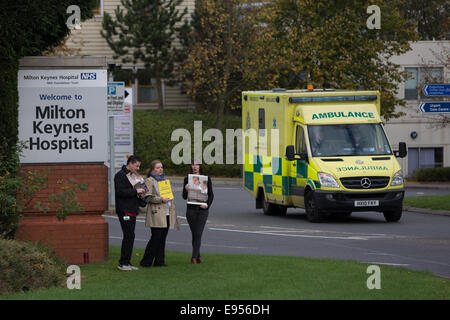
152, 139
17, 194
432, 175
27, 266
9, 184
9, 212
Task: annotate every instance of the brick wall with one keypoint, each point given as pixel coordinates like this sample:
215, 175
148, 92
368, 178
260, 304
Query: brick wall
71, 238
94, 200
81, 232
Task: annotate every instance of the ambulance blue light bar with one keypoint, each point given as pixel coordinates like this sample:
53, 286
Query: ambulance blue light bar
333, 98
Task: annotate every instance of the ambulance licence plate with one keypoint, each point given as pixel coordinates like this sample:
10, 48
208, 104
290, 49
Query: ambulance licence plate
366, 203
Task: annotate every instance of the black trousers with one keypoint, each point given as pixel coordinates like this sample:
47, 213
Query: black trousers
128, 227
196, 219
155, 250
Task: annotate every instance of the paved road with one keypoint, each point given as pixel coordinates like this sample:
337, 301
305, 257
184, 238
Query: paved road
418, 241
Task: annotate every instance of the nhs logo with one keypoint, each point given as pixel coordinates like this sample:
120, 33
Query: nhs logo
88, 76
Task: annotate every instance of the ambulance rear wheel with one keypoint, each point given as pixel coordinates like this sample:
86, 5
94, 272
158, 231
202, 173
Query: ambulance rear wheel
313, 213
393, 215
269, 209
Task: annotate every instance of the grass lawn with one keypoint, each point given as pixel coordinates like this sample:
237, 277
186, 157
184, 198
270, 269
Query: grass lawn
429, 202
231, 277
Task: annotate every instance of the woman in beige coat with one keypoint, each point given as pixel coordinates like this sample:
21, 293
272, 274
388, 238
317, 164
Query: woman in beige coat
161, 215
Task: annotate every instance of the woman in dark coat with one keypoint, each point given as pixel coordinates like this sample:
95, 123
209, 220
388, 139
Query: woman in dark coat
196, 214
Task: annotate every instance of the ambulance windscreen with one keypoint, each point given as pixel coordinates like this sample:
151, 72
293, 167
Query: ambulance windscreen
348, 140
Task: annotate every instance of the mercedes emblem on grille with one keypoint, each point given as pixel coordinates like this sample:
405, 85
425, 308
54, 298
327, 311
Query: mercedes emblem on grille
366, 183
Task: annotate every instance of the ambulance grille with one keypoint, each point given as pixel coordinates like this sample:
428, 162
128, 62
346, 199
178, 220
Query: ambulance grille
355, 182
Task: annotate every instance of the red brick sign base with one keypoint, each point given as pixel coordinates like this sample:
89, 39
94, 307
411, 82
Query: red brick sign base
82, 237
77, 239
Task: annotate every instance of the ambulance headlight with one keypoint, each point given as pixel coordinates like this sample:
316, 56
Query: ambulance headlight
397, 179
327, 180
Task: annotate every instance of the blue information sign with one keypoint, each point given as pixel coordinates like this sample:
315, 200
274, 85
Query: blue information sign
436, 90
435, 107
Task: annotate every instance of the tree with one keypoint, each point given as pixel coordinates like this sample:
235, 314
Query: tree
441, 57
328, 44
246, 45
27, 28
431, 18
144, 31
226, 54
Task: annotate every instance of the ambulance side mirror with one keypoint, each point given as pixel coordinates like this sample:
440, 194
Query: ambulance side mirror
402, 151
290, 153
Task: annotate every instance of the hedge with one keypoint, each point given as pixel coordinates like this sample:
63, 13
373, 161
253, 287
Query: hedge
432, 175
152, 139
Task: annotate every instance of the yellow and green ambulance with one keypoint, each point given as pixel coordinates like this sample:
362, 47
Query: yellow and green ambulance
322, 150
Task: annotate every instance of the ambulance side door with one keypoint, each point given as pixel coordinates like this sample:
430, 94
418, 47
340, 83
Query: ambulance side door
299, 168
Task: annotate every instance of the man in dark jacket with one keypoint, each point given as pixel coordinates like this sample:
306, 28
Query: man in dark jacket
127, 208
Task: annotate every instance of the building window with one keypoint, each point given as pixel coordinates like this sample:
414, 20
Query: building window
417, 77
419, 158
147, 91
411, 84
146, 87
98, 11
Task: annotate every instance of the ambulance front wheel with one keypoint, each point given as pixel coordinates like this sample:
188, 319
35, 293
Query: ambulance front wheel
313, 214
393, 215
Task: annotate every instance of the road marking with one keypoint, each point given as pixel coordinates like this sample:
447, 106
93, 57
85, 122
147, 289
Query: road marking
117, 218
188, 244
287, 232
323, 231
366, 236
374, 252
225, 188
389, 264
143, 220
289, 235
234, 247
